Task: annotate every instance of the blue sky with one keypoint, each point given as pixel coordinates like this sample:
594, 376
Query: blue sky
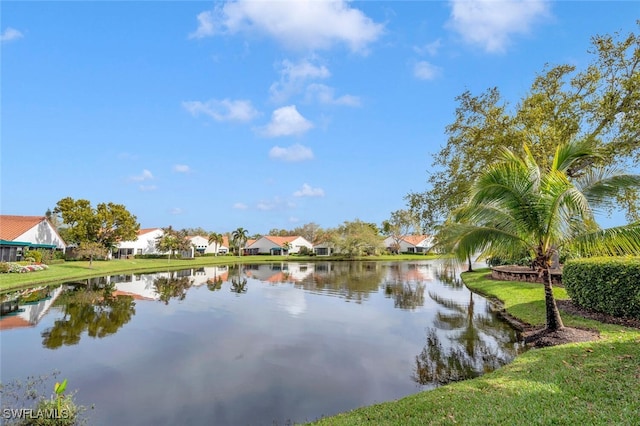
259, 114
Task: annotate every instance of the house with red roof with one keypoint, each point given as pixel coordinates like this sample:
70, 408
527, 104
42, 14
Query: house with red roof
275, 245
21, 233
409, 244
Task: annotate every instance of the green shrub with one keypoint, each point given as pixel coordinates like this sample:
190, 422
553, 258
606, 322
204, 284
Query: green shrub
4, 267
610, 285
36, 255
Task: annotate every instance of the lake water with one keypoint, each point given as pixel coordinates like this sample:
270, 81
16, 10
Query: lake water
255, 344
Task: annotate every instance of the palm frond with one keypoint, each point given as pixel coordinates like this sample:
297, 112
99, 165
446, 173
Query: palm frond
617, 241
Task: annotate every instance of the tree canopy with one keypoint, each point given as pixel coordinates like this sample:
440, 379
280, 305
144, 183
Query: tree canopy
599, 104
519, 205
106, 224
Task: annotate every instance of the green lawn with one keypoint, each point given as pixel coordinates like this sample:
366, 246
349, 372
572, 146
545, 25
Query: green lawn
70, 271
595, 383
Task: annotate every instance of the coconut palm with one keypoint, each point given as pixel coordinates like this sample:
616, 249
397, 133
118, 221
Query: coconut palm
216, 239
286, 246
517, 205
240, 237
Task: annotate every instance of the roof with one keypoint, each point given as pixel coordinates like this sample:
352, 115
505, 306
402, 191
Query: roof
415, 239
146, 231
11, 227
281, 240
13, 321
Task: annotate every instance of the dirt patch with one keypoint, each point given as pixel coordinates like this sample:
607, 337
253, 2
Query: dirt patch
541, 337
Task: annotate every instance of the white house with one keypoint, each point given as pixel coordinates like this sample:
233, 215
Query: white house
20, 233
276, 245
144, 244
324, 249
410, 244
202, 246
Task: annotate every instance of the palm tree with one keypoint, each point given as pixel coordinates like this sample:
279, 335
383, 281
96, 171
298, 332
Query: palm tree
240, 237
286, 246
517, 205
216, 239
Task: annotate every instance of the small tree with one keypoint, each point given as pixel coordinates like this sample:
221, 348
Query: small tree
91, 250
239, 238
286, 247
105, 224
216, 239
173, 241
401, 224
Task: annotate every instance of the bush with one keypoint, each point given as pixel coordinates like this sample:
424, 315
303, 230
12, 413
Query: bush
4, 267
33, 255
609, 285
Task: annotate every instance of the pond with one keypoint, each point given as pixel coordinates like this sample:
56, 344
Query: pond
255, 344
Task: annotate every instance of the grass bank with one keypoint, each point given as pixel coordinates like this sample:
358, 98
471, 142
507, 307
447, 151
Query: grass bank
70, 271
595, 383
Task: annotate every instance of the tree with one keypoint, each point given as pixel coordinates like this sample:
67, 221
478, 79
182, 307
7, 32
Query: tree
91, 249
400, 224
517, 205
286, 246
239, 238
357, 238
217, 240
107, 224
308, 231
173, 241
600, 104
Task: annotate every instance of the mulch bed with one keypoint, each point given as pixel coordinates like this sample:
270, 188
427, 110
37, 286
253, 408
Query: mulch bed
541, 337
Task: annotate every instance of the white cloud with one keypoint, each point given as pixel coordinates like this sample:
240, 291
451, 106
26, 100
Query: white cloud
223, 110
490, 24
146, 175
240, 206
147, 188
10, 34
181, 168
300, 24
308, 191
292, 154
176, 211
206, 26
265, 206
276, 203
425, 71
429, 48
325, 95
286, 121
293, 77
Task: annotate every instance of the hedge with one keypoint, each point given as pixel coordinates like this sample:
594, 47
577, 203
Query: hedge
609, 285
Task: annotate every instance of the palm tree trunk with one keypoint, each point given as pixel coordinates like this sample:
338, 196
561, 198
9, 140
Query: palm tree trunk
554, 322
470, 267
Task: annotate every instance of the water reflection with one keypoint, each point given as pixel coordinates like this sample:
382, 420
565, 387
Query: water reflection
308, 339
463, 344
173, 286
92, 308
238, 282
405, 283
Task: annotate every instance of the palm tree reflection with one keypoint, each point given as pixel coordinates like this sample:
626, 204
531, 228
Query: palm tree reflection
172, 287
238, 282
463, 344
